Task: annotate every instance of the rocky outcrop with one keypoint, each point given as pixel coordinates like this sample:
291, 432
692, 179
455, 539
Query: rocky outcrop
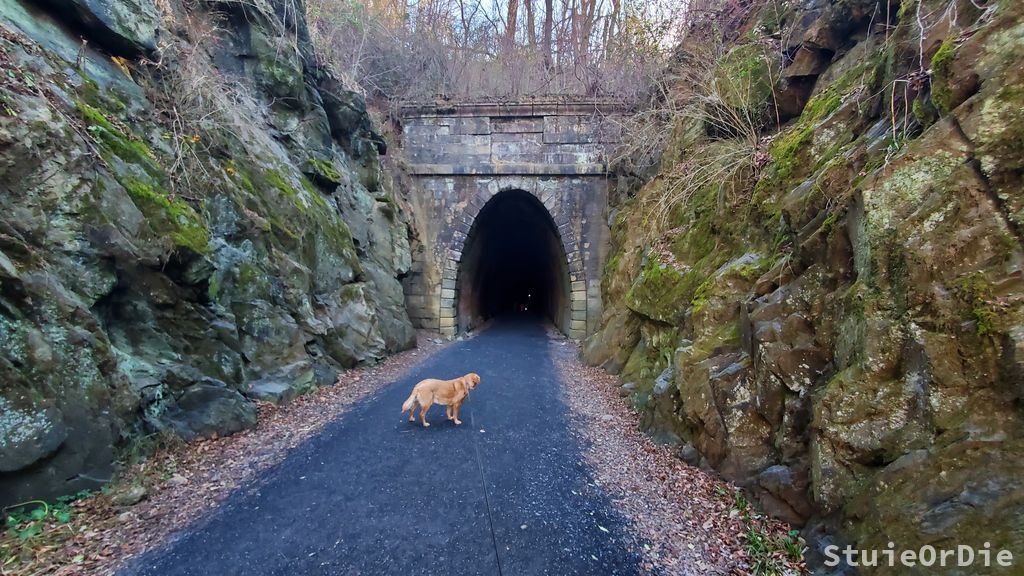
181, 235
124, 27
842, 316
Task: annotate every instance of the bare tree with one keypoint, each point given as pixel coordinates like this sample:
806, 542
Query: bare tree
549, 17
477, 49
531, 25
510, 26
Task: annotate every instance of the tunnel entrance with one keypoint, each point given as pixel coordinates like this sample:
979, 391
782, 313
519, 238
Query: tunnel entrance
513, 262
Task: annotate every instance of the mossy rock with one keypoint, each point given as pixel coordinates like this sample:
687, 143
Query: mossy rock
115, 141
323, 172
942, 69
662, 292
169, 215
651, 355
279, 65
744, 80
939, 497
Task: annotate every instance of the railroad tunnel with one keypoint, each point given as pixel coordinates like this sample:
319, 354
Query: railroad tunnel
513, 263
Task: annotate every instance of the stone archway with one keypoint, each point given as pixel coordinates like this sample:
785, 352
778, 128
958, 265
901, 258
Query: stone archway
513, 259
463, 155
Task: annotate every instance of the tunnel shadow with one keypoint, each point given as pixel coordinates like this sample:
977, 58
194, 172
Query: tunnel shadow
513, 265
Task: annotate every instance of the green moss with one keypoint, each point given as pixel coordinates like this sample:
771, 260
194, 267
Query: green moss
240, 176
772, 18
924, 112
754, 270
275, 179
324, 170
942, 68
833, 217
662, 292
214, 286
293, 212
744, 79
350, 293
247, 273
612, 265
984, 319
278, 225
310, 203
115, 141
651, 356
794, 152
726, 335
318, 198
822, 105
89, 90
976, 292
183, 223
747, 271
700, 295
786, 151
707, 230
905, 7
789, 150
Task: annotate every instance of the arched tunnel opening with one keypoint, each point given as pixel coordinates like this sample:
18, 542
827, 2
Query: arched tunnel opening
513, 263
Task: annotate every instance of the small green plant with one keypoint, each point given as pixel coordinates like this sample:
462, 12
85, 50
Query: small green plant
741, 503
770, 555
30, 519
792, 545
33, 526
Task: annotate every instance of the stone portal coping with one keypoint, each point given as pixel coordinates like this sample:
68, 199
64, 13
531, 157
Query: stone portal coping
513, 109
509, 169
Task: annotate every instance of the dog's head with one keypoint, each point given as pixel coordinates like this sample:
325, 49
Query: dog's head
471, 380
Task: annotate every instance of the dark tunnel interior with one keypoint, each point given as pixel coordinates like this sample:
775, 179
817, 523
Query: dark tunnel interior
513, 263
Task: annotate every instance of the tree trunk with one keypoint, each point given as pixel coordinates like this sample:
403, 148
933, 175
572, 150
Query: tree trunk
531, 24
549, 17
511, 23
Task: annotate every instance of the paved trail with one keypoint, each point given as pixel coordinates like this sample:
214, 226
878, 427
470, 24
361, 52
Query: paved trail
505, 493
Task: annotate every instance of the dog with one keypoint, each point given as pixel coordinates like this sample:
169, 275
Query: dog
451, 393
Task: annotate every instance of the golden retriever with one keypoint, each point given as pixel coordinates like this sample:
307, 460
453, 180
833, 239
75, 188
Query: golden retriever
451, 393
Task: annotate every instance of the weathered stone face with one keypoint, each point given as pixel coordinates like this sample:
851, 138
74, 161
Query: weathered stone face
843, 329
125, 27
464, 157
135, 298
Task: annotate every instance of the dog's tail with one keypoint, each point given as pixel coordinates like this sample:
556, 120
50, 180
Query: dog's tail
410, 402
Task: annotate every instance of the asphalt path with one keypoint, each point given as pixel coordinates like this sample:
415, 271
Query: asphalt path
506, 493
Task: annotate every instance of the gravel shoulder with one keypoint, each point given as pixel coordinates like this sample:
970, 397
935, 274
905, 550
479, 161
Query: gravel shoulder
686, 520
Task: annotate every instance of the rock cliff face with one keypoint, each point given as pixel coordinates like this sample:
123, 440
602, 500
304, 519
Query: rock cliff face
836, 322
193, 216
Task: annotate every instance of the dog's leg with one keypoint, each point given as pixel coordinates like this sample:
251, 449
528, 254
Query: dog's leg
423, 413
457, 421
412, 413
448, 411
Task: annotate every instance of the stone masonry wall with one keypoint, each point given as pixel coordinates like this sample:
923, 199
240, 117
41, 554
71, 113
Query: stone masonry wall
462, 156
